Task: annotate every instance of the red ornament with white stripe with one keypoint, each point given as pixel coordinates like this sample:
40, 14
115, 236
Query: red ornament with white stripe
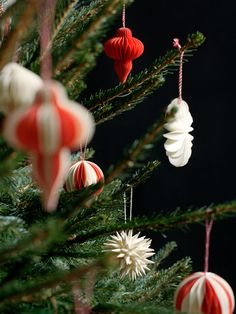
47, 130
123, 48
53, 122
49, 171
83, 174
204, 293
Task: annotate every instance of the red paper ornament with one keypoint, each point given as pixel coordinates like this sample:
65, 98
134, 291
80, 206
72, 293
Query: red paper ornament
50, 172
204, 293
51, 123
47, 130
123, 48
82, 174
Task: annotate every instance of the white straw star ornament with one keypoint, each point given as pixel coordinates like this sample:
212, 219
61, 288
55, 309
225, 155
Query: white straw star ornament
132, 251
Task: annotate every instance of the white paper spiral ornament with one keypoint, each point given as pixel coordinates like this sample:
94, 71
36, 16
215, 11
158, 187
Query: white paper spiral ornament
178, 145
83, 174
204, 293
18, 87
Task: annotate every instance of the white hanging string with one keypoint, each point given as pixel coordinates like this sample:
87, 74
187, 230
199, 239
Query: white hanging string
125, 208
131, 203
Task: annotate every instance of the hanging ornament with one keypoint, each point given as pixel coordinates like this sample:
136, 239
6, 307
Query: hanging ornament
204, 292
132, 252
83, 174
18, 87
47, 130
178, 145
53, 122
123, 48
49, 172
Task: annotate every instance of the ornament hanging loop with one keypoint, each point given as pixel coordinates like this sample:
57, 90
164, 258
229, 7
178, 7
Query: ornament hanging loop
123, 14
130, 204
208, 224
177, 45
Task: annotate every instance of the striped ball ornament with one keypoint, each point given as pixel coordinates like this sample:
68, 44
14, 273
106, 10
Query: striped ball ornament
52, 122
83, 174
204, 293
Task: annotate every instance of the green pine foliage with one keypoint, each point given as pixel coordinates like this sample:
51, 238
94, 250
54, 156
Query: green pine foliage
48, 260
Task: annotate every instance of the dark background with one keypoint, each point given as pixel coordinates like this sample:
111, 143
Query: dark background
208, 84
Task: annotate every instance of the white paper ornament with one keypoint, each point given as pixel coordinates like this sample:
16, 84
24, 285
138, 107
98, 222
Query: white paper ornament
204, 293
178, 145
133, 253
18, 87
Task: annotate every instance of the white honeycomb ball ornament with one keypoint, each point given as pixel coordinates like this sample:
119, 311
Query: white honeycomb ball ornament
18, 87
204, 293
132, 252
178, 145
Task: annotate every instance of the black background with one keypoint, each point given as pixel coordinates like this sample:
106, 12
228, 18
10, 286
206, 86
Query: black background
208, 84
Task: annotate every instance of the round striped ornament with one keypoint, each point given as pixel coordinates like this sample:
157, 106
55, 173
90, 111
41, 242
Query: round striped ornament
83, 174
204, 293
52, 122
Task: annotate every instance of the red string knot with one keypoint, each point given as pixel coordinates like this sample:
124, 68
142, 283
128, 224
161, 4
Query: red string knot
176, 43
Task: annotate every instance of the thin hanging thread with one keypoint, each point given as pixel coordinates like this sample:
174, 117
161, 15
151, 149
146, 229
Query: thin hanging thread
131, 203
207, 243
177, 45
46, 11
123, 14
125, 207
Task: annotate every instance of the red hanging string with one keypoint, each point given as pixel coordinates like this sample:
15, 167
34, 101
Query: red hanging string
123, 14
46, 15
177, 45
207, 243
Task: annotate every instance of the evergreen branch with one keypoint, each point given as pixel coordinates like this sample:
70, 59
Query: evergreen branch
106, 97
8, 48
16, 291
130, 309
110, 7
108, 111
160, 223
163, 253
137, 147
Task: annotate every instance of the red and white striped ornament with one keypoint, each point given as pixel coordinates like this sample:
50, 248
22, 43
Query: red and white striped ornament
47, 130
52, 122
83, 174
204, 293
49, 171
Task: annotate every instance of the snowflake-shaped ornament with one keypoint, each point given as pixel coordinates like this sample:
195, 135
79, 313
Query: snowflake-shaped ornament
133, 253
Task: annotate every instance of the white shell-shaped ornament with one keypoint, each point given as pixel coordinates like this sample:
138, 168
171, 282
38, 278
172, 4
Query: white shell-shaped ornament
178, 145
18, 87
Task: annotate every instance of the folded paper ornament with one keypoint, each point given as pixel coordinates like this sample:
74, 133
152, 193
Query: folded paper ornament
178, 145
47, 130
83, 174
123, 48
51, 123
18, 87
204, 293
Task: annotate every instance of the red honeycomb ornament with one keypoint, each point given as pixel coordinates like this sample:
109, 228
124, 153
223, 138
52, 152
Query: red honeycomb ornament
123, 48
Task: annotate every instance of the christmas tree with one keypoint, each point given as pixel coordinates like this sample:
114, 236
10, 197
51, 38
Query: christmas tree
82, 253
